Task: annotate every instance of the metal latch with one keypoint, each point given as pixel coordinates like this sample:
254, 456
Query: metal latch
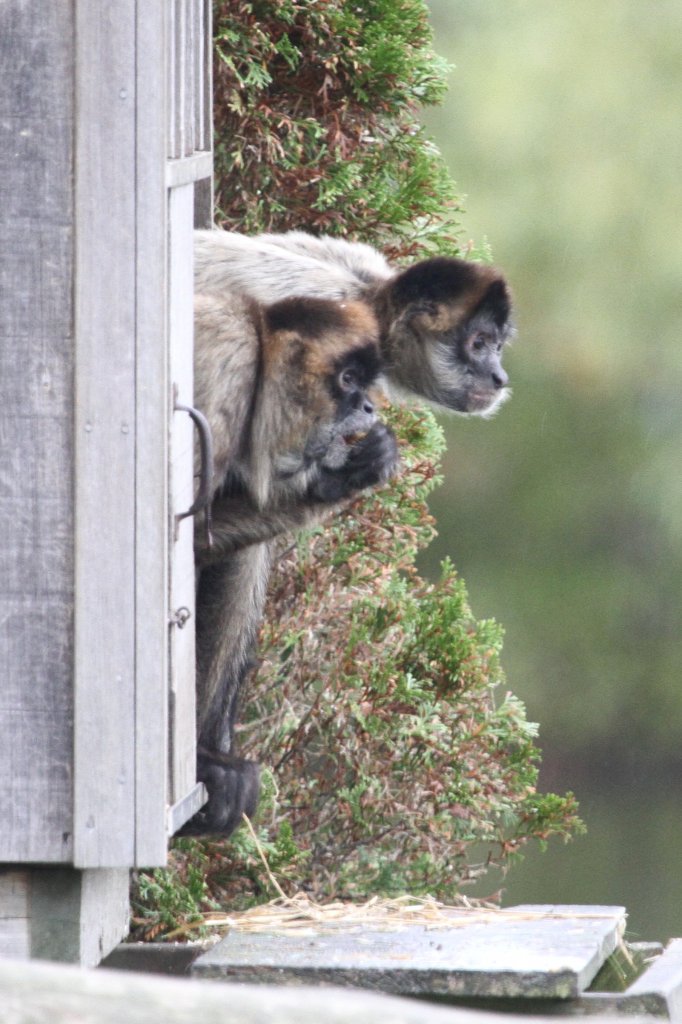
204, 495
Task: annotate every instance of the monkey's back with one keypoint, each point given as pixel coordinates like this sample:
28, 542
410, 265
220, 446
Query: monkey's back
226, 364
272, 267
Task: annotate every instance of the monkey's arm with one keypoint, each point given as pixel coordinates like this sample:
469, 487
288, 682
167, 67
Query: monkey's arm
238, 522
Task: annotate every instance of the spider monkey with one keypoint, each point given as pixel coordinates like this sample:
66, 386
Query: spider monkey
442, 325
443, 321
288, 392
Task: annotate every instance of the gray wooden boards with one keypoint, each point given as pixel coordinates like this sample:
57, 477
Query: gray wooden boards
36, 427
538, 952
58, 913
38, 993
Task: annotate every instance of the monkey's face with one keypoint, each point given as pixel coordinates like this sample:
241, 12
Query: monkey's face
322, 364
352, 396
451, 320
464, 359
479, 353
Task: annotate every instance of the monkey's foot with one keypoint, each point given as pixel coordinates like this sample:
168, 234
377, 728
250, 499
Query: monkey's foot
233, 786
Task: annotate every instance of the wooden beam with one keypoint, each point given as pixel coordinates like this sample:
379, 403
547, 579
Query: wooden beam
105, 428
62, 914
151, 451
36, 429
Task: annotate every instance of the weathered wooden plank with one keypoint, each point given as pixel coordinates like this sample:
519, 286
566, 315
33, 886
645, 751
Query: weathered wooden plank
203, 189
77, 916
62, 914
180, 107
186, 808
203, 77
182, 651
36, 428
55, 994
172, 149
189, 76
151, 450
524, 952
188, 169
14, 913
105, 285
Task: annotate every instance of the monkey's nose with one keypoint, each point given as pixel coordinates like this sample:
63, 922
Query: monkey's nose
368, 407
500, 378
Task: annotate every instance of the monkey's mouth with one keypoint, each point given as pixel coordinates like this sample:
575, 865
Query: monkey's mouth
355, 437
480, 400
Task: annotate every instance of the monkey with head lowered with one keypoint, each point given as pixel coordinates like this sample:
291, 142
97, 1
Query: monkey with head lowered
443, 321
287, 391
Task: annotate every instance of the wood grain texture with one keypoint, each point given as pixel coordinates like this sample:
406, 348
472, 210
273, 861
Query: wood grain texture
36, 427
104, 670
14, 913
189, 142
151, 453
183, 702
85, 420
77, 917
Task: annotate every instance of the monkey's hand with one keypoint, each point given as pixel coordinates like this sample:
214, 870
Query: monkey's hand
371, 460
233, 786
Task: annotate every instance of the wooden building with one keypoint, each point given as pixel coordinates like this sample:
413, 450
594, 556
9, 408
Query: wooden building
104, 168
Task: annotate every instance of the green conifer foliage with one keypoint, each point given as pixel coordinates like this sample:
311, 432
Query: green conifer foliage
316, 121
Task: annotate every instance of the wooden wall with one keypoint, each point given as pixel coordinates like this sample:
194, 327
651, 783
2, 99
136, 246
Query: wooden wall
36, 431
106, 126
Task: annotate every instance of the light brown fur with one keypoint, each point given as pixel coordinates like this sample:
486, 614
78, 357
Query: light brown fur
422, 311
272, 384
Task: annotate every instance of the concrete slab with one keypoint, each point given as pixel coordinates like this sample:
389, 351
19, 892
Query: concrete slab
659, 990
530, 952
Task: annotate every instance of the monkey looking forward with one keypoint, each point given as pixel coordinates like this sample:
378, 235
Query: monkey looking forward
443, 321
287, 390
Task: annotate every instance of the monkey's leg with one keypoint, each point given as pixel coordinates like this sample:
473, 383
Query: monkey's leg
230, 602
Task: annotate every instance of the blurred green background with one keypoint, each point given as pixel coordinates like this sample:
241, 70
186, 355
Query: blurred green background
563, 129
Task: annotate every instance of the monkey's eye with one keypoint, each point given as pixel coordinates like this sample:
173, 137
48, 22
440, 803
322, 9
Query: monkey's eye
479, 342
348, 380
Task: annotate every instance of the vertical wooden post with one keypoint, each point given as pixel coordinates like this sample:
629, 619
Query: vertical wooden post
87, 197
36, 426
104, 664
153, 412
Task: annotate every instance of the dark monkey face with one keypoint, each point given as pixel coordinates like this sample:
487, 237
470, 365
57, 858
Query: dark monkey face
478, 352
453, 322
327, 354
360, 451
349, 385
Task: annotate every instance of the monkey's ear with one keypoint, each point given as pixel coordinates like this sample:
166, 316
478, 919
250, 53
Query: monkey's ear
496, 302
